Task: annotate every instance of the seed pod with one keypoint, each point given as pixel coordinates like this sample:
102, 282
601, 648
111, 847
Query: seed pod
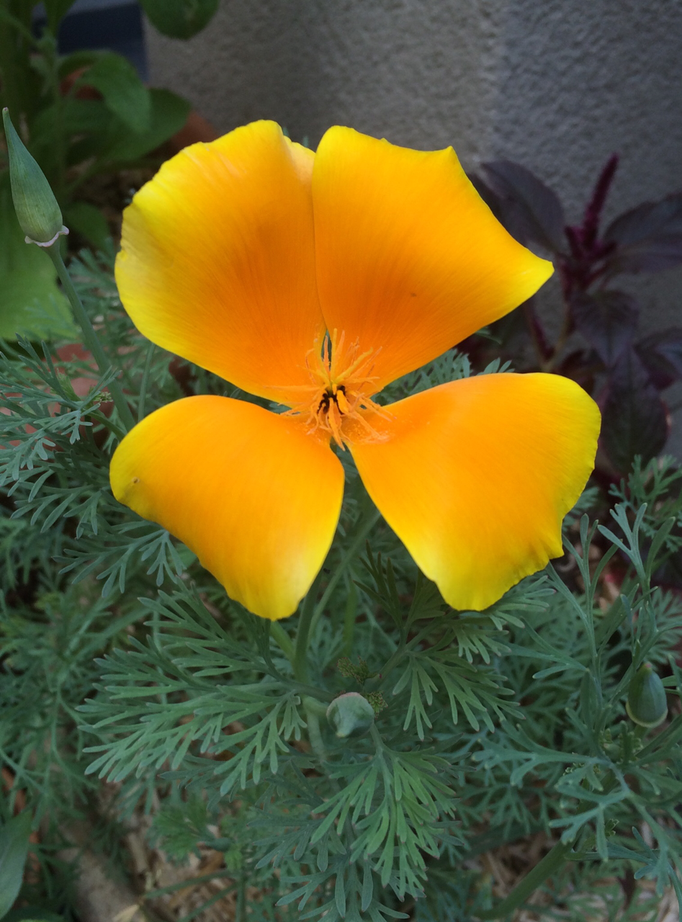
646, 704
350, 715
38, 213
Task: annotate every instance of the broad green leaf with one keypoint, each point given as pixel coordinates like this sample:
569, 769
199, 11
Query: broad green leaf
30, 301
89, 221
168, 115
77, 60
13, 850
56, 10
123, 92
179, 18
87, 118
32, 914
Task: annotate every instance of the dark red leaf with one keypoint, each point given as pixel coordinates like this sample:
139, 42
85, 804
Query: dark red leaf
647, 238
529, 210
634, 416
583, 365
662, 354
607, 320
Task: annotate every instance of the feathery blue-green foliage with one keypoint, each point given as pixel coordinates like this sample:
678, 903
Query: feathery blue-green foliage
124, 660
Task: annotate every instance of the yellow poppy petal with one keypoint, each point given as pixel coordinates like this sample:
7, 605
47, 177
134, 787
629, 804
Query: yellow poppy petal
251, 493
476, 476
410, 260
217, 261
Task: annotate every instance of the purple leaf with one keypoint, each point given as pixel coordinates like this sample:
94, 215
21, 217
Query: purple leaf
634, 418
647, 238
607, 320
583, 365
590, 225
662, 354
529, 210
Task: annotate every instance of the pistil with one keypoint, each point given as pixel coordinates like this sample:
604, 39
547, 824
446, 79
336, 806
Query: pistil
338, 398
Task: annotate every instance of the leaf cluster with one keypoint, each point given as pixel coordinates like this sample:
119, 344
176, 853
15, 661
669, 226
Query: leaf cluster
498, 724
81, 115
624, 372
490, 726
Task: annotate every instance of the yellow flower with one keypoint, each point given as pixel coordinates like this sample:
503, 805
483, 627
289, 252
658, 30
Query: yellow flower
314, 280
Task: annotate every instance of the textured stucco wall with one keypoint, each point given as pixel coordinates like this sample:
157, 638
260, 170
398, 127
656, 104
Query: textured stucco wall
580, 79
419, 72
556, 84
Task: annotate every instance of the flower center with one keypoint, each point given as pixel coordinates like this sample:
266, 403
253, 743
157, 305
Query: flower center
338, 397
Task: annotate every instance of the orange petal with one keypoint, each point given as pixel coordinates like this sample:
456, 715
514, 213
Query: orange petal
476, 476
410, 260
217, 260
251, 493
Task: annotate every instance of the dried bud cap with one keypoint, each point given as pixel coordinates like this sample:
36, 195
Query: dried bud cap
350, 715
38, 213
646, 705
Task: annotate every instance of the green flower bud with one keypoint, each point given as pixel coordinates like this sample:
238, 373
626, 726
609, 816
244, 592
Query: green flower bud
39, 215
646, 704
350, 715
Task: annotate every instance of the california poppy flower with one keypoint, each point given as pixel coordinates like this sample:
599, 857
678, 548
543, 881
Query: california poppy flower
313, 280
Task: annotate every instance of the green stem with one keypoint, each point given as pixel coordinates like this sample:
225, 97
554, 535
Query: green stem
300, 661
18, 25
349, 618
376, 738
145, 380
310, 612
89, 335
18, 82
240, 908
59, 138
282, 639
312, 715
403, 650
364, 527
552, 861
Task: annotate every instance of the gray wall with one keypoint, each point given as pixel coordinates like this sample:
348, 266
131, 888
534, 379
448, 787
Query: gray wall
556, 84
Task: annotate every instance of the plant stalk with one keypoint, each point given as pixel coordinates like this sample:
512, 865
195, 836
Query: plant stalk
363, 529
542, 870
89, 335
313, 711
300, 661
282, 639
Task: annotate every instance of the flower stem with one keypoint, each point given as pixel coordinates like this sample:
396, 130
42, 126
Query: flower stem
311, 612
313, 712
300, 661
145, 380
89, 335
282, 639
349, 618
240, 907
365, 525
542, 870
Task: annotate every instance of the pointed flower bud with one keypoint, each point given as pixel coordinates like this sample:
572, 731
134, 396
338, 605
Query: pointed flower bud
350, 715
38, 213
646, 704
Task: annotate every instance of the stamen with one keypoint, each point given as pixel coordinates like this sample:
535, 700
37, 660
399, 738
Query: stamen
339, 392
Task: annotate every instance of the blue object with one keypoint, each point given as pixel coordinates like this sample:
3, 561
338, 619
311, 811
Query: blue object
112, 24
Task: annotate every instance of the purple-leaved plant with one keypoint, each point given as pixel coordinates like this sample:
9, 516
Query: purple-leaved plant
624, 373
